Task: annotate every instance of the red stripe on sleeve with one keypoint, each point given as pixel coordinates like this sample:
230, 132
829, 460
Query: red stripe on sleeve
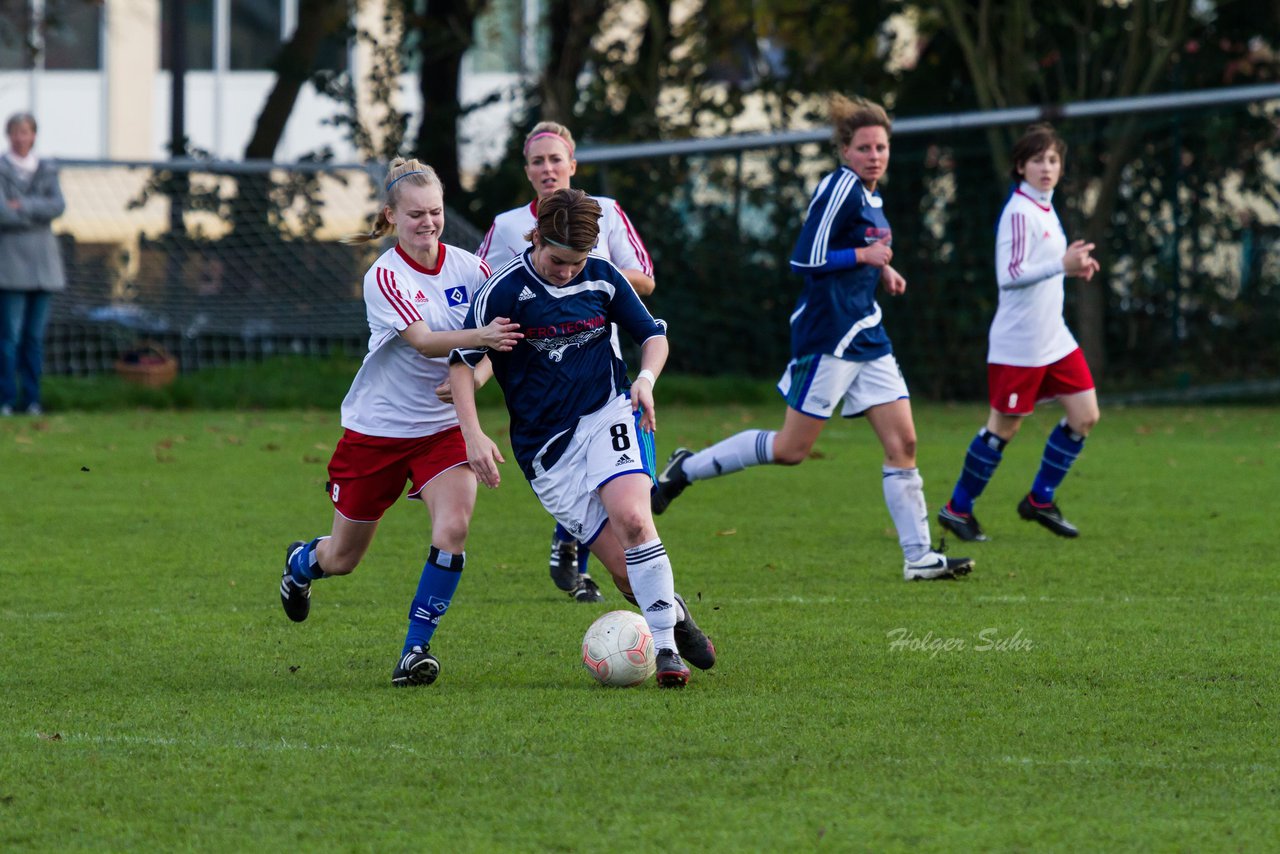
1019, 226
483, 251
387, 285
646, 263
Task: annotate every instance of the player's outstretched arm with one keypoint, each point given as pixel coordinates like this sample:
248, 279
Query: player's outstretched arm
483, 373
653, 356
482, 454
499, 334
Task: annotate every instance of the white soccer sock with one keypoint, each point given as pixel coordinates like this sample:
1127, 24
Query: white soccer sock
904, 495
654, 588
740, 451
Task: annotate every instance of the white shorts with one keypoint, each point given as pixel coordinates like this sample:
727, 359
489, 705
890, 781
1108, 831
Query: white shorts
606, 444
814, 385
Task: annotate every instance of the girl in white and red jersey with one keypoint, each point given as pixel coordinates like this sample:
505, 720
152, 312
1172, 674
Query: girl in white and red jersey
549, 165
1032, 356
416, 295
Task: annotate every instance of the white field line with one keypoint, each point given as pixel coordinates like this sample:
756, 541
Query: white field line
279, 746
288, 746
1009, 599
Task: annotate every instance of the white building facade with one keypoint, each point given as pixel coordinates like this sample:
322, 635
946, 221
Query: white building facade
96, 76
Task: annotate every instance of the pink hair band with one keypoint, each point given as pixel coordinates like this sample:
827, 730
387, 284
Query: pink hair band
528, 142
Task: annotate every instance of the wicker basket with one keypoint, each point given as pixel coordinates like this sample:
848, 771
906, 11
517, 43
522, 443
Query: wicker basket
147, 364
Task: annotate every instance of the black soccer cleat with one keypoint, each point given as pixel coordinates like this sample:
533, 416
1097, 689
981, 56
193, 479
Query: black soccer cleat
671, 671
671, 481
587, 590
1047, 515
416, 667
695, 647
295, 597
564, 563
963, 525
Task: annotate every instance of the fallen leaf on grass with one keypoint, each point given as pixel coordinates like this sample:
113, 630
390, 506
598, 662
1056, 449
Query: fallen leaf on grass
57, 736
727, 533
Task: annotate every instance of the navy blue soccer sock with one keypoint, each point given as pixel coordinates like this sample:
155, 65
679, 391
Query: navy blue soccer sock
304, 565
1060, 451
984, 454
436, 587
584, 555
562, 535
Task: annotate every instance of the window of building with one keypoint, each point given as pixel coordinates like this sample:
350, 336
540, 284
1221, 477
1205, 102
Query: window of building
15, 34
72, 35
199, 41
255, 34
498, 34
333, 53
67, 37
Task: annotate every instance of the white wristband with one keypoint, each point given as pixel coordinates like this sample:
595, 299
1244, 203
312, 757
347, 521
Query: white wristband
646, 375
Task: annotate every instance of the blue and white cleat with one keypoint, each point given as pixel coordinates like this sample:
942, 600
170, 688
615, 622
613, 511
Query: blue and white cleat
295, 597
416, 667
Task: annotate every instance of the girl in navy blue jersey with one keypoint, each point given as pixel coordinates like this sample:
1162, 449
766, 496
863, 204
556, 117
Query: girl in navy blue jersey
580, 430
840, 352
549, 165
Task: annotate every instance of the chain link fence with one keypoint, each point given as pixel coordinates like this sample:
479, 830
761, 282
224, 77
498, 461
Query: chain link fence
224, 262
215, 263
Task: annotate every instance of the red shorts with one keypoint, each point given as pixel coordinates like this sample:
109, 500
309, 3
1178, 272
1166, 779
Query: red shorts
367, 473
1015, 390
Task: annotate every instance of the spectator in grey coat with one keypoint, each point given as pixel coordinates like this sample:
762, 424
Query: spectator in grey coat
30, 264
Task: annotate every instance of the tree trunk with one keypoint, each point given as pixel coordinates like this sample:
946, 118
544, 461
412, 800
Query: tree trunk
653, 54
446, 30
317, 19
572, 25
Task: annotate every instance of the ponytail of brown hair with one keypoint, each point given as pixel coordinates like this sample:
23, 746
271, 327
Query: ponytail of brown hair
568, 218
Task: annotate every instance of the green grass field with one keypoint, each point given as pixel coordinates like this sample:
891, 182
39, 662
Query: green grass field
1109, 693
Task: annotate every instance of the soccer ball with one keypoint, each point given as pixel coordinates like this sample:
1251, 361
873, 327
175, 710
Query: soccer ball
618, 649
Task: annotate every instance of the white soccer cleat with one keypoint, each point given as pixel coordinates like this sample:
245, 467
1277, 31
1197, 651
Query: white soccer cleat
935, 566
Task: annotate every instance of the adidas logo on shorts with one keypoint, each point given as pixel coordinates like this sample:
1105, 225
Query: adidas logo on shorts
525, 294
624, 460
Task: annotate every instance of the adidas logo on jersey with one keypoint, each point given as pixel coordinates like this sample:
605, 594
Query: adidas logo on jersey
525, 294
624, 460
419, 297
660, 605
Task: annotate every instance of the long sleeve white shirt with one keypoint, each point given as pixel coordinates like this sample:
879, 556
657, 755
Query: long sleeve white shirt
1029, 329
